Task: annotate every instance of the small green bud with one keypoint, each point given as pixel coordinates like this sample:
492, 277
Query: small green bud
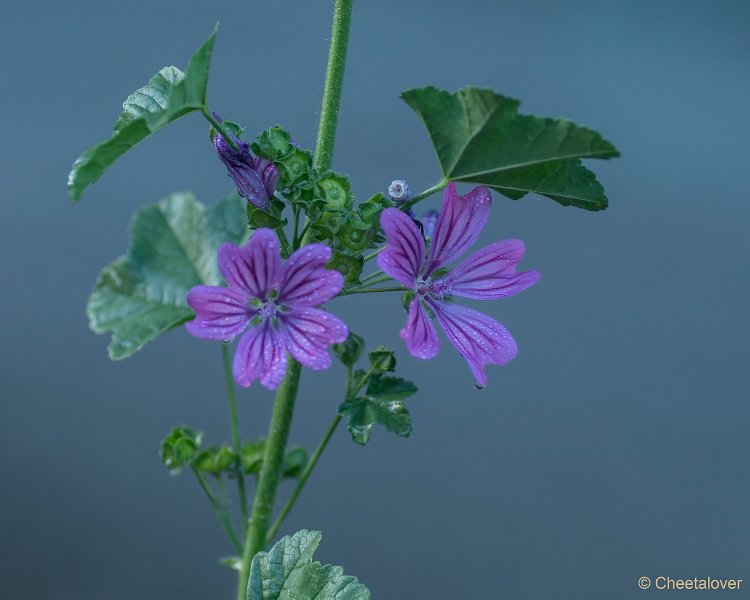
349, 351
382, 359
349, 266
180, 447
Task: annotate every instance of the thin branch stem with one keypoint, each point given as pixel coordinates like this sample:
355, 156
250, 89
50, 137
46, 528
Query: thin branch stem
374, 254
219, 127
371, 291
235, 427
221, 511
422, 195
371, 276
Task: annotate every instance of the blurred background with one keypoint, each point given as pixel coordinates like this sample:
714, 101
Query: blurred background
614, 447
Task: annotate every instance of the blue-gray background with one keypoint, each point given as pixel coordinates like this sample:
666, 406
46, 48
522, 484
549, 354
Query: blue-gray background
615, 446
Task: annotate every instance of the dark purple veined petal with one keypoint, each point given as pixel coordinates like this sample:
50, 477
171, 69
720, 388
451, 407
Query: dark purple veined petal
250, 185
404, 254
307, 333
461, 220
254, 269
490, 273
478, 337
269, 174
306, 281
260, 355
419, 334
220, 313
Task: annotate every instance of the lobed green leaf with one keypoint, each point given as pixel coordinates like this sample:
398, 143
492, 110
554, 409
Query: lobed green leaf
287, 571
173, 248
169, 95
479, 137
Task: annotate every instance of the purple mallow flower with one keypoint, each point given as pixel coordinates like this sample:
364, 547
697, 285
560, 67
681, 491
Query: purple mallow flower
429, 220
485, 275
254, 177
274, 304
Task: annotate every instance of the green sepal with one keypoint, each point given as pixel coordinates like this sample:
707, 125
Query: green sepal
295, 168
356, 235
251, 459
180, 447
169, 95
382, 359
336, 190
287, 572
479, 137
370, 210
349, 351
271, 218
230, 126
349, 266
216, 460
274, 144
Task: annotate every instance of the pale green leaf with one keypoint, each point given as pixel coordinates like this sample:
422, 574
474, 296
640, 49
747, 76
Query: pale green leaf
288, 572
169, 95
173, 248
479, 137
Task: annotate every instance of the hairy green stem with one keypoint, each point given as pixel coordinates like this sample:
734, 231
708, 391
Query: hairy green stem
422, 195
303, 479
219, 127
234, 424
374, 254
329, 112
281, 419
270, 472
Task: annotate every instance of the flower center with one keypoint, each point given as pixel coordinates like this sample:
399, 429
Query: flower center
268, 310
428, 287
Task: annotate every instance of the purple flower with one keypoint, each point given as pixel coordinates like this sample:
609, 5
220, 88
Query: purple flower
274, 304
429, 220
255, 178
485, 275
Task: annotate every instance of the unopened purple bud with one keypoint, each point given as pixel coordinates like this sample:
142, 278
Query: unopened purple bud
399, 192
429, 220
268, 173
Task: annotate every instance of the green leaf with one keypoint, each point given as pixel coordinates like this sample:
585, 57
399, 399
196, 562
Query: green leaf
287, 571
173, 248
294, 462
382, 404
349, 351
479, 137
169, 95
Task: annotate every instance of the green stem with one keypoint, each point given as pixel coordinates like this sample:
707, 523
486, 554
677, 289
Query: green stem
422, 195
374, 254
302, 480
329, 112
270, 472
371, 291
234, 424
295, 235
281, 419
371, 276
220, 510
219, 127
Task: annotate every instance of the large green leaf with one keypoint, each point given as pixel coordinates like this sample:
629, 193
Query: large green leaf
169, 95
173, 248
479, 137
382, 404
288, 572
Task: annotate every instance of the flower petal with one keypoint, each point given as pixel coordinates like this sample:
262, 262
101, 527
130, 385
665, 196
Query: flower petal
490, 273
477, 337
306, 281
269, 174
307, 333
403, 256
419, 334
254, 269
260, 355
461, 220
220, 313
